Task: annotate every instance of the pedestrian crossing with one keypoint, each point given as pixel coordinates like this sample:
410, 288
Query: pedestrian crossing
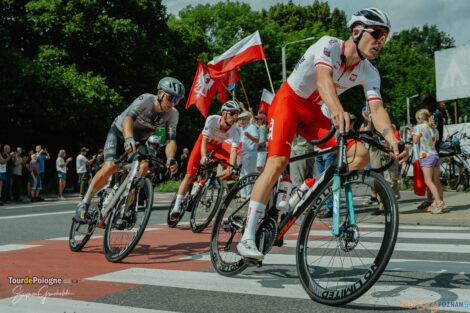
177, 260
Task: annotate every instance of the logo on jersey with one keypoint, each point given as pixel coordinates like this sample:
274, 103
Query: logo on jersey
332, 41
353, 77
326, 52
270, 132
203, 84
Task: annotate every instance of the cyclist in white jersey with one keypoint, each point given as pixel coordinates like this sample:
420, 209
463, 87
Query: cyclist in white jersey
216, 130
327, 69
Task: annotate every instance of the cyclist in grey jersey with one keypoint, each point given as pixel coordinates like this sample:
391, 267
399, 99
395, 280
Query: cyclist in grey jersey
140, 120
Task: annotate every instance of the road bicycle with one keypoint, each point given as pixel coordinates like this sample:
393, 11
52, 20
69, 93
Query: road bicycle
204, 203
339, 258
127, 197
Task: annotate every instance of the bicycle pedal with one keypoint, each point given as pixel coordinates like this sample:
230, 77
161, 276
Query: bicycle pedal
253, 262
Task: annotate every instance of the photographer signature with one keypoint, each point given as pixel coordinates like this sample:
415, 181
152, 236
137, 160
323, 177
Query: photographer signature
42, 292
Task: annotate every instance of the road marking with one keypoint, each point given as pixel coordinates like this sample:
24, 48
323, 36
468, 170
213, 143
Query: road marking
98, 236
29, 303
371, 233
402, 265
35, 205
14, 247
35, 215
275, 286
364, 245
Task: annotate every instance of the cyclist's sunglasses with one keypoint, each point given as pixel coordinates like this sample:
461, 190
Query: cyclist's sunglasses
173, 99
233, 113
377, 33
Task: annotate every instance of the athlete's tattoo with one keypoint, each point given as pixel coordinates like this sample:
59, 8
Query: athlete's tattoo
385, 132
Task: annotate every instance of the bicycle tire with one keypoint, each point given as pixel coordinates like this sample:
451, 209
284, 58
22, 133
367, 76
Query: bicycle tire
204, 206
171, 222
358, 274
77, 245
230, 218
452, 173
146, 192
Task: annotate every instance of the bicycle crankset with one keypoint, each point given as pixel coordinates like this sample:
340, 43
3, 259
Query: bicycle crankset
266, 235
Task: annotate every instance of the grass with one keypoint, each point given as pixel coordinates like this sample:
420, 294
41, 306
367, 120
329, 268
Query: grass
168, 186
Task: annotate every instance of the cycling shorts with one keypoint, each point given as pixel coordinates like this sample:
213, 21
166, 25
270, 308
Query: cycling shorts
114, 145
222, 151
290, 114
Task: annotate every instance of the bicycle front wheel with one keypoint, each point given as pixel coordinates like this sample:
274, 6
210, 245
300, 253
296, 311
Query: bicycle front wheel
205, 205
119, 240
451, 173
80, 233
335, 270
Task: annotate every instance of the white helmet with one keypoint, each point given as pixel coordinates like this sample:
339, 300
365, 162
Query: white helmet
370, 17
230, 105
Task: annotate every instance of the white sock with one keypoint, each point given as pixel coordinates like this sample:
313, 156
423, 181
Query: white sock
256, 209
179, 199
88, 195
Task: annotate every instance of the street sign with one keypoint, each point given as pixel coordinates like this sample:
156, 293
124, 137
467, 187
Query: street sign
452, 73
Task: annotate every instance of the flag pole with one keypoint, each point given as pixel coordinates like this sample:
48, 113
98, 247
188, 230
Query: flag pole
269, 75
244, 91
238, 101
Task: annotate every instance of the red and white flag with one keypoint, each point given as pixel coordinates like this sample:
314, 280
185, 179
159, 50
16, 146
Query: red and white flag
246, 50
227, 80
203, 89
266, 99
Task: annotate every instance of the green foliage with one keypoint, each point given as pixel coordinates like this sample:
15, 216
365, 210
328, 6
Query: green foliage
168, 186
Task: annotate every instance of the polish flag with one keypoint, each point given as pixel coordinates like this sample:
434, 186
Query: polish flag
203, 89
266, 99
247, 50
227, 79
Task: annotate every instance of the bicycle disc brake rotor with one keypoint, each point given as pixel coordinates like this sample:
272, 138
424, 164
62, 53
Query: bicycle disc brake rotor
266, 235
348, 237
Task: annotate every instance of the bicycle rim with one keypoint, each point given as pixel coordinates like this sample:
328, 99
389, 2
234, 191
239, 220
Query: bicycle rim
205, 205
336, 270
81, 233
228, 230
119, 242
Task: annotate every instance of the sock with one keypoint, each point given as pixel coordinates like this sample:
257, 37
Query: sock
89, 195
179, 199
256, 209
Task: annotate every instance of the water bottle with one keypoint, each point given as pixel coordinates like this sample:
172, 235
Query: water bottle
285, 188
306, 185
195, 188
110, 195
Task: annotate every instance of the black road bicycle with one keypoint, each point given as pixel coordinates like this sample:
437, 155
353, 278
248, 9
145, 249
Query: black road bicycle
339, 258
127, 197
202, 205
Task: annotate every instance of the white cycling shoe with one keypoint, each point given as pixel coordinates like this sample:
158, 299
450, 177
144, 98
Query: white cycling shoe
176, 212
248, 249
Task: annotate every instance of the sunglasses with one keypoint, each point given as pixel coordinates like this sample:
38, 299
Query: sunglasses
173, 99
377, 33
233, 113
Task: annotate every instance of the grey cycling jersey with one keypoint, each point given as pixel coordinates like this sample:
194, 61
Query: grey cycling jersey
146, 120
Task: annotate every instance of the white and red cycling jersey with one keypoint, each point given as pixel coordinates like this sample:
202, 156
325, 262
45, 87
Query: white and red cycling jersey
327, 52
215, 142
296, 107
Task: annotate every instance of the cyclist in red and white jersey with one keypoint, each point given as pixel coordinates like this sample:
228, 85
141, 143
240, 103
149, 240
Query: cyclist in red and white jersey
216, 130
327, 69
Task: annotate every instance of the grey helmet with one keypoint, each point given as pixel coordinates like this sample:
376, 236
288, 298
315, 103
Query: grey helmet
230, 105
370, 17
154, 139
171, 86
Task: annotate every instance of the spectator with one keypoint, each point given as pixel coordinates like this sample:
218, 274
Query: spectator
99, 161
427, 101
3, 175
248, 154
27, 174
425, 135
82, 162
42, 155
17, 173
35, 172
7, 185
184, 162
303, 169
61, 166
260, 120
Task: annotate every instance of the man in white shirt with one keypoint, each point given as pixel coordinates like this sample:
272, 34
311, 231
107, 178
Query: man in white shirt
82, 172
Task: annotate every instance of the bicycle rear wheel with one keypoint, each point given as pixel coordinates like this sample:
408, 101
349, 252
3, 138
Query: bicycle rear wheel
451, 173
228, 230
205, 205
335, 270
119, 241
80, 233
